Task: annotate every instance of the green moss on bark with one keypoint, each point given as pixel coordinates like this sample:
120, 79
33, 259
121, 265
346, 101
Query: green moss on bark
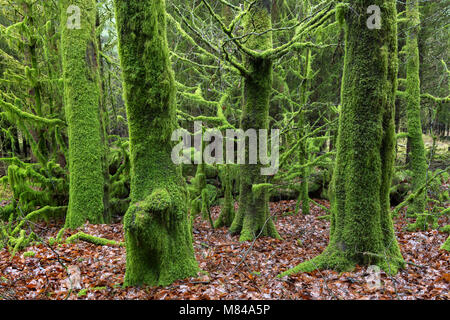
94, 240
362, 231
253, 217
81, 94
197, 192
416, 156
446, 245
303, 147
157, 229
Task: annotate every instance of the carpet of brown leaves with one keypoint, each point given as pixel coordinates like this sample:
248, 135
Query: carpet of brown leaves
233, 270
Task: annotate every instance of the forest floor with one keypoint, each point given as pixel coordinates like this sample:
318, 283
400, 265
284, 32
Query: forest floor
234, 270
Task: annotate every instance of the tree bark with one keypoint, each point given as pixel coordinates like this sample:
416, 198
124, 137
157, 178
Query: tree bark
416, 156
157, 228
227, 212
81, 93
253, 217
361, 226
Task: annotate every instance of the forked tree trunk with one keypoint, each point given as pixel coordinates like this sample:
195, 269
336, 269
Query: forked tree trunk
157, 229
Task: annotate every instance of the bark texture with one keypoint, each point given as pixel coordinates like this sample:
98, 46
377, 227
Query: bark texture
361, 226
416, 156
81, 94
158, 232
253, 217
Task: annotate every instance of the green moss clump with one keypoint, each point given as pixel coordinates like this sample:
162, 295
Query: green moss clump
7, 211
446, 229
29, 254
52, 241
446, 245
158, 201
82, 292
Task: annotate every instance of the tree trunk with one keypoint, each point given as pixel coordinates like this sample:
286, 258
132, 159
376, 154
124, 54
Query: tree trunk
417, 160
303, 148
104, 130
253, 217
157, 229
81, 93
227, 212
361, 226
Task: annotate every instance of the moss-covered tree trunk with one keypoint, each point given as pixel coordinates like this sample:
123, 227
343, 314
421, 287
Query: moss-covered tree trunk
227, 212
253, 217
361, 227
416, 156
37, 135
105, 129
157, 229
81, 94
199, 202
303, 148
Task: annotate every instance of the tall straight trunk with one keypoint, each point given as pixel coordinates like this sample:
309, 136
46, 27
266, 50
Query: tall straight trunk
227, 212
416, 156
157, 226
81, 94
253, 217
104, 130
361, 227
303, 152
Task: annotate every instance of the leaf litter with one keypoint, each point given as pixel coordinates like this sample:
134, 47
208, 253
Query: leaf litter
230, 269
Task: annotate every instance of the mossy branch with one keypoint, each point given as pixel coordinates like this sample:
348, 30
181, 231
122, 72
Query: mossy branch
435, 99
322, 207
40, 212
402, 135
314, 22
94, 240
412, 196
29, 116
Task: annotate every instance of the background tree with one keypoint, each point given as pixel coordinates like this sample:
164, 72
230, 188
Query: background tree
417, 160
251, 42
253, 216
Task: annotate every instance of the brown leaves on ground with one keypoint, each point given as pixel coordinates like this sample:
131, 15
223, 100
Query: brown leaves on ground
231, 270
